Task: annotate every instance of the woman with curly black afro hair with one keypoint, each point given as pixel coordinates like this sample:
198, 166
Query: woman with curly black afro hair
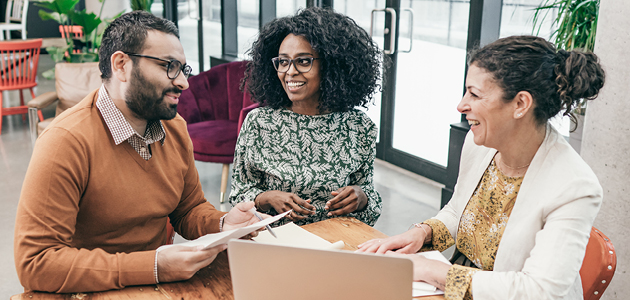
308, 149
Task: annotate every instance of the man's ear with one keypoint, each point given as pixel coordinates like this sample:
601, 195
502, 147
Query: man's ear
121, 66
524, 103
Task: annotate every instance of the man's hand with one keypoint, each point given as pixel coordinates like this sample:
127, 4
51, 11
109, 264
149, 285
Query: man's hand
241, 216
177, 263
346, 200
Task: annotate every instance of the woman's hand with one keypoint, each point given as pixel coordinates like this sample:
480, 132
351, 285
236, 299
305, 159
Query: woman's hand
346, 200
408, 242
283, 201
428, 270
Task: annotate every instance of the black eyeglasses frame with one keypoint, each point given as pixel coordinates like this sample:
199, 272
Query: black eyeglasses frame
292, 61
186, 68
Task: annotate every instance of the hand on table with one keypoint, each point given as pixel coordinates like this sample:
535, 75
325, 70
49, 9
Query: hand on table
428, 270
346, 200
283, 201
407, 242
177, 263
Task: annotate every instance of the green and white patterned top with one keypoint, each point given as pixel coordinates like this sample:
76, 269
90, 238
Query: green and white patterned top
310, 156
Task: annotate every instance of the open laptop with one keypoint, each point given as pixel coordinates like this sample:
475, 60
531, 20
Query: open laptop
266, 272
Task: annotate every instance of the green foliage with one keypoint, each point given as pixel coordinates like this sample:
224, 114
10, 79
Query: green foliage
141, 5
89, 21
576, 21
64, 12
577, 26
60, 8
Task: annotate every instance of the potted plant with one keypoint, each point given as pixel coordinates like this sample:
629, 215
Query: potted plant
64, 12
576, 22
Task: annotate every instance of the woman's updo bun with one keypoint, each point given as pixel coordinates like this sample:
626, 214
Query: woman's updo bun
578, 76
556, 79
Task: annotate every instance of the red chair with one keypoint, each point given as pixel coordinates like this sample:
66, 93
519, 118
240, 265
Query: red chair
18, 71
72, 31
212, 107
599, 265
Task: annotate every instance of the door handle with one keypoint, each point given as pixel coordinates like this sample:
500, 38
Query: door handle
391, 31
410, 29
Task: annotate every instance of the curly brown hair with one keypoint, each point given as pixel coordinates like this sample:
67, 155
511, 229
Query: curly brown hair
350, 60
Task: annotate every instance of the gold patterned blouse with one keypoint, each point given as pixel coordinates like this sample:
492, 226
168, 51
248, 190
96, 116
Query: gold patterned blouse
480, 229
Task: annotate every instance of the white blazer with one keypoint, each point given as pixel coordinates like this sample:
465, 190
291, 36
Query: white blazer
543, 245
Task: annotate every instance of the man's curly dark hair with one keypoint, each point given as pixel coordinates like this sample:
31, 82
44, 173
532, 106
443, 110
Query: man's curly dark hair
350, 60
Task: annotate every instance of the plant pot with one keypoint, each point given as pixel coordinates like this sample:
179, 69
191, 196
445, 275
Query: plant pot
575, 137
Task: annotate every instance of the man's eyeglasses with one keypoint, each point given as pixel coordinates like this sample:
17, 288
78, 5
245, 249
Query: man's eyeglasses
172, 69
301, 64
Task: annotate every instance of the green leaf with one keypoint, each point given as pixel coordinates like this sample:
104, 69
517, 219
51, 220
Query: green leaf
59, 6
89, 21
57, 53
49, 74
44, 15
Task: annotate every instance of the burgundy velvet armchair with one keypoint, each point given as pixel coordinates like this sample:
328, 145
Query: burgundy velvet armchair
212, 107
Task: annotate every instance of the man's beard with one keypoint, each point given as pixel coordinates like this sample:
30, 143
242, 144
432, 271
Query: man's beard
144, 101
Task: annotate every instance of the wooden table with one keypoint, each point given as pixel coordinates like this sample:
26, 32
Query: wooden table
214, 282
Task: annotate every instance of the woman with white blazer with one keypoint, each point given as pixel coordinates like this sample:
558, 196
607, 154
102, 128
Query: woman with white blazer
525, 201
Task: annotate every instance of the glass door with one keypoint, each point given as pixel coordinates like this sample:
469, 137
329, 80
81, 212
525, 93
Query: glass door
371, 17
426, 42
430, 76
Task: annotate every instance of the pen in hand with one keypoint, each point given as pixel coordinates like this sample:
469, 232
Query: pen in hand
260, 218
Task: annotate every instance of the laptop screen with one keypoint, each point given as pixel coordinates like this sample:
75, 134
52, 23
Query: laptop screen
265, 272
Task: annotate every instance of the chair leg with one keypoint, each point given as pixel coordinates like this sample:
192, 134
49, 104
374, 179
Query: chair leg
1, 114
224, 179
22, 103
32, 122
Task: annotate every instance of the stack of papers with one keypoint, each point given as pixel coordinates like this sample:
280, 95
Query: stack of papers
423, 288
216, 239
294, 236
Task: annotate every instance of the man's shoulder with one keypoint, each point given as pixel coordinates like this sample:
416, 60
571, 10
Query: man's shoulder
80, 119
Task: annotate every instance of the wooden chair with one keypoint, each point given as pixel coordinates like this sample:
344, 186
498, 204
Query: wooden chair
18, 71
15, 18
599, 265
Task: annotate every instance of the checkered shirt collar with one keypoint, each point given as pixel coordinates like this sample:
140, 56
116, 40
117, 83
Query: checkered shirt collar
119, 127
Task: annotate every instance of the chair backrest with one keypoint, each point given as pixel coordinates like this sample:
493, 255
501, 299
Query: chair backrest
74, 81
75, 31
215, 94
599, 265
18, 64
16, 11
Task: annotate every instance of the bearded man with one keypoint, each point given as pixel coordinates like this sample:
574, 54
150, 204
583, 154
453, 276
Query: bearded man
107, 174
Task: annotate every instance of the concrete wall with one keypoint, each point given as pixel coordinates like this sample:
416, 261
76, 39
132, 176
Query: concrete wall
606, 140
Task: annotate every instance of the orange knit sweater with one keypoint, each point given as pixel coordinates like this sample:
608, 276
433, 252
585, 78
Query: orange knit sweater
91, 213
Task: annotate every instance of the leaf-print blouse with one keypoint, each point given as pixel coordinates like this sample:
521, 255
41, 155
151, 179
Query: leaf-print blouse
310, 156
480, 229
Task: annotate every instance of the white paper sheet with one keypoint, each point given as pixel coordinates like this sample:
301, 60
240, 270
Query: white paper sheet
294, 236
423, 288
215, 239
